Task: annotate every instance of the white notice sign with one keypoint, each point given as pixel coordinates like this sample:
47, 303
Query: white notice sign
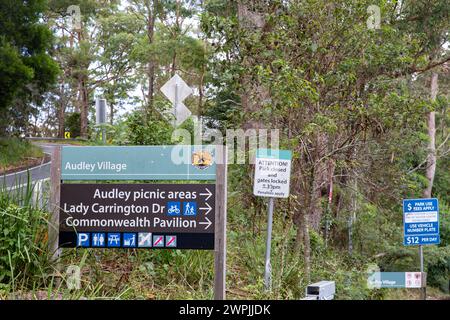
413, 280
272, 173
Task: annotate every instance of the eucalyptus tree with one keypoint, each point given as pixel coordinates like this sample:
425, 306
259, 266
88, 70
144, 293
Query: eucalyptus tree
333, 82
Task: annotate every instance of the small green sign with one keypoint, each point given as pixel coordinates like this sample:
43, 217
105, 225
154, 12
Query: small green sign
178, 162
396, 280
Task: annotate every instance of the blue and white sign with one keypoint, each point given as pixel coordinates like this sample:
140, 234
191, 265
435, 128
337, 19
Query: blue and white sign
83, 240
420, 221
173, 208
189, 208
98, 239
129, 240
114, 240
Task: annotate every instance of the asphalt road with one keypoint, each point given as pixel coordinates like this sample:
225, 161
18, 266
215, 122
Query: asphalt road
36, 173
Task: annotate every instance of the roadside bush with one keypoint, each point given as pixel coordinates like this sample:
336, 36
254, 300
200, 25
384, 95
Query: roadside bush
23, 239
154, 131
72, 124
13, 150
437, 260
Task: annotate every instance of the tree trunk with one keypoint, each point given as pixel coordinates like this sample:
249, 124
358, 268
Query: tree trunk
175, 34
61, 112
84, 109
151, 64
306, 245
431, 124
111, 112
254, 94
319, 180
83, 98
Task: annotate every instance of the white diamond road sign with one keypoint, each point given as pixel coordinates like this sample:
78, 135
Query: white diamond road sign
176, 90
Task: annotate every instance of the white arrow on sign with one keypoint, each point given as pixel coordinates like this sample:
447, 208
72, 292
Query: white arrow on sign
208, 194
209, 223
176, 90
208, 208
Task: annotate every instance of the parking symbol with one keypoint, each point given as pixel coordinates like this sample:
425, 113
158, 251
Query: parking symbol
145, 240
173, 209
190, 208
158, 241
129, 240
113, 240
171, 241
83, 240
98, 239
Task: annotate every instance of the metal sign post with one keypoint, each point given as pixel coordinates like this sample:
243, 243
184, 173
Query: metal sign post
175, 104
176, 90
272, 177
100, 108
423, 290
421, 226
268, 266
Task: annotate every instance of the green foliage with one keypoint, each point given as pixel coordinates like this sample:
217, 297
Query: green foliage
22, 239
14, 150
26, 69
72, 124
150, 130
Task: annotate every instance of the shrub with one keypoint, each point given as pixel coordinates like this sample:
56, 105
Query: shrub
23, 233
73, 124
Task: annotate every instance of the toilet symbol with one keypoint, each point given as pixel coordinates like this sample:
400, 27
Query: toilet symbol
98, 239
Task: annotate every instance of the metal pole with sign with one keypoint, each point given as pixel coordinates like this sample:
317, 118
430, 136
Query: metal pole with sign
424, 289
267, 265
100, 108
421, 227
176, 90
175, 103
272, 178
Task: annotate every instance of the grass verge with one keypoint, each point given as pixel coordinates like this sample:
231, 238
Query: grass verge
16, 153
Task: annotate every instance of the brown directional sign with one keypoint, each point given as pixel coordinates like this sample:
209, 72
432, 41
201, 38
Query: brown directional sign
137, 215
